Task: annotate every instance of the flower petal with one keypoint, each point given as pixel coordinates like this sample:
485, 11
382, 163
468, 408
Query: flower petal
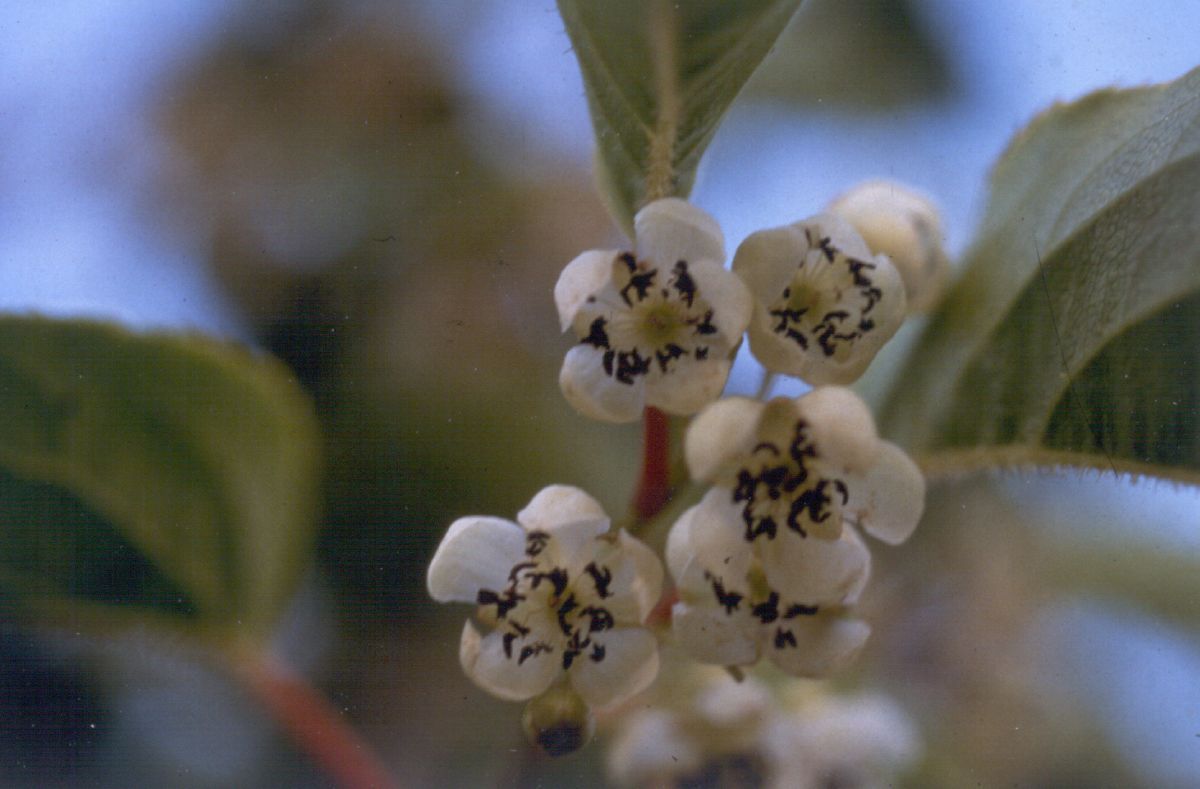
651, 747
477, 553
842, 428
670, 230
689, 386
484, 661
635, 583
814, 571
709, 635
572, 518
841, 234
823, 645
888, 500
706, 544
904, 225
595, 394
728, 296
720, 436
583, 277
627, 665
767, 260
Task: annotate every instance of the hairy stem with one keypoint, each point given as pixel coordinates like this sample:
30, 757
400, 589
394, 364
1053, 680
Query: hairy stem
660, 169
654, 483
312, 722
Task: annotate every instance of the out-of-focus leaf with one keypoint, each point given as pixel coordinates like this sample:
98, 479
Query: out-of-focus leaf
659, 76
864, 54
167, 473
1073, 337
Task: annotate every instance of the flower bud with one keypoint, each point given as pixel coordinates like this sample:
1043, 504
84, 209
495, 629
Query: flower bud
899, 223
558, 721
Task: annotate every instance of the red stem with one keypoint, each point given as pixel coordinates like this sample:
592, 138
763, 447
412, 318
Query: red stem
314, 724
654, 486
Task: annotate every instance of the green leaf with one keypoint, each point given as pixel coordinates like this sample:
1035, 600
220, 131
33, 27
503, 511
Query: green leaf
1073, 337
170, 475
659, 75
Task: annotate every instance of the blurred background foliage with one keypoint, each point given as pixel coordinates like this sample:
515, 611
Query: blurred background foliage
371, 219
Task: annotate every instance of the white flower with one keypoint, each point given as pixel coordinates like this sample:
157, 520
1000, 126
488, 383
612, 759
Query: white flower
560, 597
824, 306
724, 733
786, 597
794, 735
804, 466
770, 560
656, 326
897, 222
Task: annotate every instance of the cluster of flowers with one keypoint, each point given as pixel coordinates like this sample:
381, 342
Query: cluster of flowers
770, 562
708, 730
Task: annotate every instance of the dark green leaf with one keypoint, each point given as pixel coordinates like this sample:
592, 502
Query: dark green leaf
169, 473
659, 76
1073, 337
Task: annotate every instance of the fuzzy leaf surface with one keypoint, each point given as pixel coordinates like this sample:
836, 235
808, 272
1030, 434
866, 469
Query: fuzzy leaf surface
1073, 336
164, 474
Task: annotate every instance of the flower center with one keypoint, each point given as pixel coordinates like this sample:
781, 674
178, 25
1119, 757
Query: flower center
655, 322
828, 302
539, 592
780, 485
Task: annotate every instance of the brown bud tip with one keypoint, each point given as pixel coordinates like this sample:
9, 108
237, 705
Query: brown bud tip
558, 722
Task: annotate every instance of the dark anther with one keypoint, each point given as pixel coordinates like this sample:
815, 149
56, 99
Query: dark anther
566, 607
601, 619
534, 649
535, 542
767, 612
640, 283
629, 365
683, 282
629, 260
601, 577
598, 652
557, 577
800, 609
668, 354
597, 336
705, 327
827, 248
784, 638
727, 600
701, 352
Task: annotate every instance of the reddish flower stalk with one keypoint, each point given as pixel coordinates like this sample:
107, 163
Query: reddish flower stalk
654, 485
315, 726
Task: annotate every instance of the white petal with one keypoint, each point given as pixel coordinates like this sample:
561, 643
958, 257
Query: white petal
477, 553
842, 428
904, 225
888, 500
650, 746
815, 571
720, 436
841, 234
707, 540
728, 296
484, 661
776, 352
823, 645
629, 665
583, 277
636, 581
572, 518
709, 635
670, 230
689, 386
597, 395
767, 260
